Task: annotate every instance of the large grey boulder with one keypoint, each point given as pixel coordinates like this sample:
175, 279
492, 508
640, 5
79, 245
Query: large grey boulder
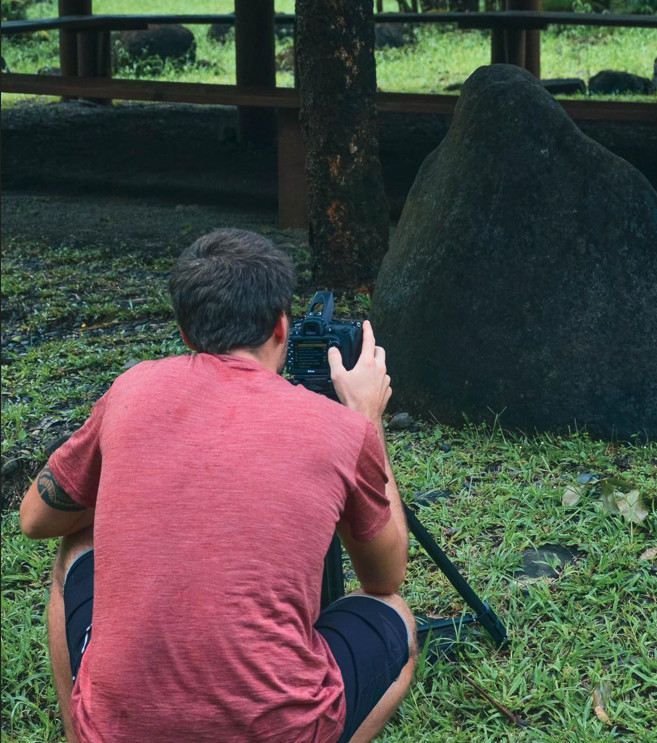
522, 277
612, 82
564, 86
166, 41
393, 35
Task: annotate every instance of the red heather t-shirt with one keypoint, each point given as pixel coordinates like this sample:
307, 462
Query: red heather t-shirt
217, 487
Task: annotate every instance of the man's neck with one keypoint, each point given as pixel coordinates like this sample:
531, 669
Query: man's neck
245, 353
271, 354
264, 356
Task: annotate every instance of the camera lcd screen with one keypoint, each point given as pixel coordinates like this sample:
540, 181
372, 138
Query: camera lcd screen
310, 354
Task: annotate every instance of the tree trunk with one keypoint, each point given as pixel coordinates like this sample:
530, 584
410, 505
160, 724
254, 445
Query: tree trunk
348, 213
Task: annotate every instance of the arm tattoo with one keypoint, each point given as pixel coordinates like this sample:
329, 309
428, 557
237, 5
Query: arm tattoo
52, 493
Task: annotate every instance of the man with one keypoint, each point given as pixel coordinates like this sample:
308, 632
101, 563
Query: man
196, 505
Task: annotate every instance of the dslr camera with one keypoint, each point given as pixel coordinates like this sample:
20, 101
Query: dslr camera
310, 340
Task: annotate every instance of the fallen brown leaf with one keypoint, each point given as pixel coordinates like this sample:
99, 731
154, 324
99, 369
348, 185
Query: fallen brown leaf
600, 694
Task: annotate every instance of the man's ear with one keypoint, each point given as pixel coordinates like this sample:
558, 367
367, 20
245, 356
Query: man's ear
186, 340
281, 328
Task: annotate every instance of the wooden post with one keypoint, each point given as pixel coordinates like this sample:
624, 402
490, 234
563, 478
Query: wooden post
68, 40
105, 54
83, 53
508, 46
255, 66
497, 38
533, 47
292, 181
517, 46
87, 53
94, 57
516, 39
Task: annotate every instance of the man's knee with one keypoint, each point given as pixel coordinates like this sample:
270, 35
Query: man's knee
71, 547
397, 602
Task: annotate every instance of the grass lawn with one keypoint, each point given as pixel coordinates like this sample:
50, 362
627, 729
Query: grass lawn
439, 57
582, 663
584, 638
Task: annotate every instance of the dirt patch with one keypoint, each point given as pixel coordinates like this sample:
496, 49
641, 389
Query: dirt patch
133, 224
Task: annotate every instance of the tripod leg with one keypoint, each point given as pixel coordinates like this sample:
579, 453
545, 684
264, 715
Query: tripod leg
333, 580
485, 615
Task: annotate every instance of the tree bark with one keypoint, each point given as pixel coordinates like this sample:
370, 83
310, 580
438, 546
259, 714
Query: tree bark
348, 212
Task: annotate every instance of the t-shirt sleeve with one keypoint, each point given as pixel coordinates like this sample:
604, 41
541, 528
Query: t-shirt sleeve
76, 464
367, 508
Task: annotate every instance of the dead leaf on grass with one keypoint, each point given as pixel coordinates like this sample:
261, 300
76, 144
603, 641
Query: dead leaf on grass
84, 327
601, 695
632, 507
608, 499
572, 495
649, 554
620, 496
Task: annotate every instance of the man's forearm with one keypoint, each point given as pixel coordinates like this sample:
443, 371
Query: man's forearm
396, 508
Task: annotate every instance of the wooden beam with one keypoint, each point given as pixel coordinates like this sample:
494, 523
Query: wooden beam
416, 103
231, 95
529, 19
79, 22
150, 90
611, 111
503, 19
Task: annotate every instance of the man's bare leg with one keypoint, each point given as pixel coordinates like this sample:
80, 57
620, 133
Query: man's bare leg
390, 701
70, 547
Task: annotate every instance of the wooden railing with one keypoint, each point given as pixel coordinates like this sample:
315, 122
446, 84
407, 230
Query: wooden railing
85, 41
508, 28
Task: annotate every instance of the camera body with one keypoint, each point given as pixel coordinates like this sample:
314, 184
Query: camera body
310, 340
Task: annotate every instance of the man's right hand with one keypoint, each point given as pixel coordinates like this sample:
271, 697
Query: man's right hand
366, 387
380, 563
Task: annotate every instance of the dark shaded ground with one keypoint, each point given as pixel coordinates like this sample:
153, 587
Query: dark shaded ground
189, 154
152, 178
148, 225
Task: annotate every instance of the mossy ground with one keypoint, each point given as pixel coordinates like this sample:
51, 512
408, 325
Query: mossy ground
77, 311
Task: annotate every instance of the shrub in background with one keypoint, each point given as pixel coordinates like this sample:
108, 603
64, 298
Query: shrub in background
645, 7
14, 10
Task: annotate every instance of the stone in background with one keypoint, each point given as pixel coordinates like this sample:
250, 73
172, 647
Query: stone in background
522, 278
165, 41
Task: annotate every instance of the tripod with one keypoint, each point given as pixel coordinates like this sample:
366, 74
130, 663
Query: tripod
333, 586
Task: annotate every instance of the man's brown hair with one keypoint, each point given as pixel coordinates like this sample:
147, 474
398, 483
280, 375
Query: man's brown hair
229, 288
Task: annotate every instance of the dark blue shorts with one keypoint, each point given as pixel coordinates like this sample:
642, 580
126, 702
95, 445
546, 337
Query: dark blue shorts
78, 607
368, 638
370, 643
